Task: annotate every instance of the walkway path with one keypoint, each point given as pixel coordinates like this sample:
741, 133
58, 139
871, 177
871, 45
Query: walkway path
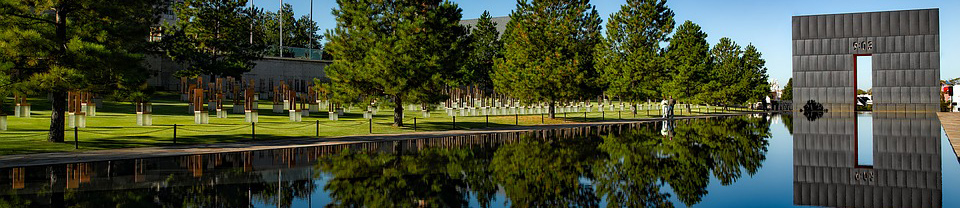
167, 151
951, 124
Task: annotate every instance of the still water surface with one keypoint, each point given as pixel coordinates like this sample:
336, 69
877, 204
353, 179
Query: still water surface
748, 161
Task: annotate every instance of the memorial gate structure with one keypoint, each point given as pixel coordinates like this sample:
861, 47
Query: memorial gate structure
905, 50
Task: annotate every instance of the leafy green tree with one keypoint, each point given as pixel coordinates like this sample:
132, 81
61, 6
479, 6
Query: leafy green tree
788, 91
954, 81
788, 121
754, 82
305, 34
296, 32
269, 22
484, 47
547, 55
6, 85
689, 63
403, 50
726, 73
537, 173
213, 37
628, 58
641, 160
58, 46
628, 178
432, 176
861, 92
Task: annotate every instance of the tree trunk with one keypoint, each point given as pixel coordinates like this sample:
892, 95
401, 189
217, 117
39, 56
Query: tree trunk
59, 102
58, 116
398, 112
58, 183
552, 110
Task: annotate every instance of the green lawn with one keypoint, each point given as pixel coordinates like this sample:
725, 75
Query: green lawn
115, 126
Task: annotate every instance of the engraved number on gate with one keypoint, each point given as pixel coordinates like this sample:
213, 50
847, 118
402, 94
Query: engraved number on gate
865, 176
863, 45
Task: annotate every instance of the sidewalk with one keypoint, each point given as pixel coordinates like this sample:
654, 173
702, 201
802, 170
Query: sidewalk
167, 151
951, 125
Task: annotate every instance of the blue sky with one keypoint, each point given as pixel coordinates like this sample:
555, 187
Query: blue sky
764, 23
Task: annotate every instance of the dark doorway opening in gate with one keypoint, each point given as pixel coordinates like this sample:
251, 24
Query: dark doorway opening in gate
863, 81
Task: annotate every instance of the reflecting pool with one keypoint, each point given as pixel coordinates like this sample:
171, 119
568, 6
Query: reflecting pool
755, 161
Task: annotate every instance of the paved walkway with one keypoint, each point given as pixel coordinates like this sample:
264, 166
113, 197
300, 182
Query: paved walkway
951, 124
167, 151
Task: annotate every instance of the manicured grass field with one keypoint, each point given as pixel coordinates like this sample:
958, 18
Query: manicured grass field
114, 126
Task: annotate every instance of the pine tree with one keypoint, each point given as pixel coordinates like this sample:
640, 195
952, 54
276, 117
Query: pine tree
689, 59
629, 58
754, 84
547, 55
738, 76
484, 47
788, 91
404, 50
213, 37
726, 73
58, 46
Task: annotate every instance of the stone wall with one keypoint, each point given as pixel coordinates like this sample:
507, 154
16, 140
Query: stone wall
267, 69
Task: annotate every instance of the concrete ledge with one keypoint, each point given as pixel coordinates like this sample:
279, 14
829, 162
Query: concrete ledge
951, 126
168, 151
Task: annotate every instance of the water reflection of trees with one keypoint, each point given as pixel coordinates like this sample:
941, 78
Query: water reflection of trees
204, 193
787, 121
226, 186
628, 169
641, 161
536, 173
431, 177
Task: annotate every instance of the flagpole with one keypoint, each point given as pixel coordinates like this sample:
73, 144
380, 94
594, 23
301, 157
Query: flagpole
312, 31
281, 28
252, 7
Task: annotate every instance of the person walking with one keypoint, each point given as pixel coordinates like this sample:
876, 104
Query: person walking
663, 107
671, 104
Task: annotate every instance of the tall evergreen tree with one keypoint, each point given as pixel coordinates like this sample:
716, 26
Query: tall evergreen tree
754, 84
788, 91
725, 75
629, 58
547, 53
402, 49
213, 37
739, 75
58, 46
485, 46
689, 55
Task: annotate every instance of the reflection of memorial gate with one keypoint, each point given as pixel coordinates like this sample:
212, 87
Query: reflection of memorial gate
906, 171
905, 46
